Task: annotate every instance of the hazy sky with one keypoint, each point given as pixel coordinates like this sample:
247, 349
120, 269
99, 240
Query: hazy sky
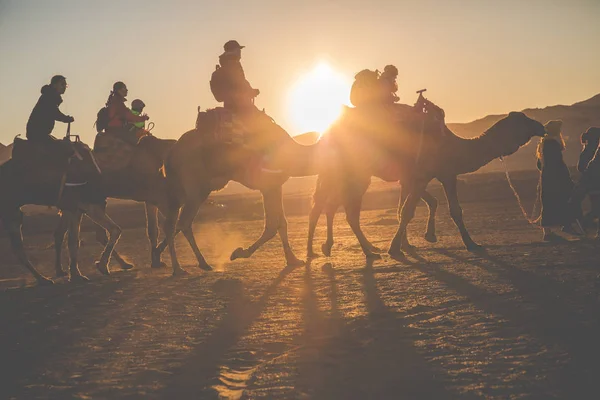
475, 57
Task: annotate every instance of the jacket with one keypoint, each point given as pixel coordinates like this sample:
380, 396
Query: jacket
45, 112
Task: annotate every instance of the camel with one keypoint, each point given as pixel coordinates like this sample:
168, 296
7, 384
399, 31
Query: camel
444, 158
141, 180
329, 196
453, 156
39, 176
198, 165
589, 166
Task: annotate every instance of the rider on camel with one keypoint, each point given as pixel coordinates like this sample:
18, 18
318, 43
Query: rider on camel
45, 112
229, 85
120, 118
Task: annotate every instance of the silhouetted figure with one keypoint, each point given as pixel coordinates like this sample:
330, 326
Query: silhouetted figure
366, 90
137, 107
389, 86
229, 85
120, 119
556, 181
45, 112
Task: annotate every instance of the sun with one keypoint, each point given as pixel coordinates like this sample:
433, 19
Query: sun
316, 99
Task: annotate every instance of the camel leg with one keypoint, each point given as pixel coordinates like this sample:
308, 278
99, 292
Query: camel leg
13, 225
290, 257
170, 226
405, 244
274, 216
330, 214
450, 188
432, 205
406, 213
59, 237
313, 219
152, 232
352, 207
102, 238
74, 219
186, 219
97, 213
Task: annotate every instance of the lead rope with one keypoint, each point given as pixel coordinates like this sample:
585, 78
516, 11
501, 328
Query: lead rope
531, 220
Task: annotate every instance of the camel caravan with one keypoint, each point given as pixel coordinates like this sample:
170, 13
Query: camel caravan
378, 137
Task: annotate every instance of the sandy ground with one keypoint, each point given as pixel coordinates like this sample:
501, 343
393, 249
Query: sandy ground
519, 321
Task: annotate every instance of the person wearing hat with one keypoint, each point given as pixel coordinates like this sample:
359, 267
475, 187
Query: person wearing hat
137, 106
228, 82
556, 183
229, 85
389, 86
46, 112
119, 116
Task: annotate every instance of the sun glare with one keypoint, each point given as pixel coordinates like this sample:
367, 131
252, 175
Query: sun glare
316, 100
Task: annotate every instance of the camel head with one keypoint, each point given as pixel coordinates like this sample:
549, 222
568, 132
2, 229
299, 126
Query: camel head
514, 131
590, 141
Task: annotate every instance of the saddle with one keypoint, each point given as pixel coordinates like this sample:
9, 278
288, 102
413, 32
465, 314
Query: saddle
54, 162
27, 152
225, 126
112, 152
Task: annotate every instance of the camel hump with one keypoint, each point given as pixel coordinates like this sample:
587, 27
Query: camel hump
112, 152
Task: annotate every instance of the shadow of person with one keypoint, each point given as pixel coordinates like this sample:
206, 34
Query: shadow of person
546, 309
201, 367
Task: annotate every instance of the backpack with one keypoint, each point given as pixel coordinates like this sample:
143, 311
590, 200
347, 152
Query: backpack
102, 119
217, 83
366, 87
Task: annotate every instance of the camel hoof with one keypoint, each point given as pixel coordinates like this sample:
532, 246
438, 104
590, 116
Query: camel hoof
180, 272
431, 238
127, 266
239, 253
311, 254
408, 247
78, 278
295, 262
474, 247
373, 256
102, 268
43, 281
159, 264
60, 273
326, 249
396, 254
205, 267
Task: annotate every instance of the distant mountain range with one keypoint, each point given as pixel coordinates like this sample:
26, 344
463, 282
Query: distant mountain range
577, 118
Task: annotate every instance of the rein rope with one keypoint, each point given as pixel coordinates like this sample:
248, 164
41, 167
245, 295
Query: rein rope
532, 220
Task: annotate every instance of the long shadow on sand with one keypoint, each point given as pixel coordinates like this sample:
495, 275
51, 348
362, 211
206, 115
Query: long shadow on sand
200, 370
40, 322
573, 327
46, 330
368, 357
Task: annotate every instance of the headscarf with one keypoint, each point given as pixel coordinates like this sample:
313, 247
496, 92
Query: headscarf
553, 132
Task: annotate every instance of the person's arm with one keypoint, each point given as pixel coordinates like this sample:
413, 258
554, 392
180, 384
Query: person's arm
131, 117
59, 116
